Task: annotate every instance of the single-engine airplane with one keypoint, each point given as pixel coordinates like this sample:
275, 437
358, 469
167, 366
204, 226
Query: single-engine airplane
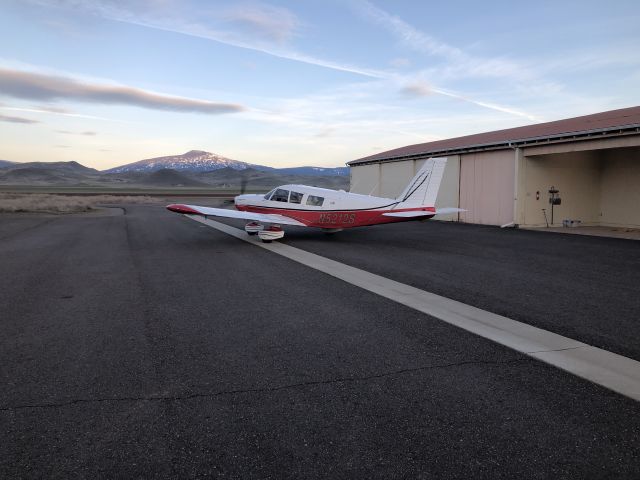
331, 210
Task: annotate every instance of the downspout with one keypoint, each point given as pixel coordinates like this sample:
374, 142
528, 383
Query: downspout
516, 193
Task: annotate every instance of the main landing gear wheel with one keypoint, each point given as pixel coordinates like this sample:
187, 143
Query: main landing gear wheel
271, 233
252, 228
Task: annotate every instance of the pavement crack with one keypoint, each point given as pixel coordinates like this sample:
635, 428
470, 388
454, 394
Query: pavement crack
170, 398
30, 227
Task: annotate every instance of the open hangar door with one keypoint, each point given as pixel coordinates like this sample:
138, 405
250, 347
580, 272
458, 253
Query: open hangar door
487, 187
599, 187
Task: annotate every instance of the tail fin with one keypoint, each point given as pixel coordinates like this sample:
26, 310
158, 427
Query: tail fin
423, 188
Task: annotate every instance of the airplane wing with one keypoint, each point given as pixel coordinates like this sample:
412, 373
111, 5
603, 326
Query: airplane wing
227, 213
423, 213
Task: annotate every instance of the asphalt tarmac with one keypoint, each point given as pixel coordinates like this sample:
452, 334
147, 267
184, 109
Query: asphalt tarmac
147, 345
585, 288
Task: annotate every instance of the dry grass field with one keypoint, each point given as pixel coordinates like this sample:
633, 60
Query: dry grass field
46, 203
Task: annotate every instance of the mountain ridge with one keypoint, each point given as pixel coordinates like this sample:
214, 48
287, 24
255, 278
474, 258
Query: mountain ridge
202, 161
216, 175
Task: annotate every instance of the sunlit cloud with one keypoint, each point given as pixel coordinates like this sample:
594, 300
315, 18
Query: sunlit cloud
86, 133
265, 21
41, 86
51, 109
417, 89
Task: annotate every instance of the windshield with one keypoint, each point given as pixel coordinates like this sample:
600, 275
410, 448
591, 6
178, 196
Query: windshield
280, 195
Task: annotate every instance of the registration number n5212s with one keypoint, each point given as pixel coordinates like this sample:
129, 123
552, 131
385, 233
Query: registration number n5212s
337, 218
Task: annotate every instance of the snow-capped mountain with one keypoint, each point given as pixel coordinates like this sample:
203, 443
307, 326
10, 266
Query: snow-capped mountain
200, 161
193, 161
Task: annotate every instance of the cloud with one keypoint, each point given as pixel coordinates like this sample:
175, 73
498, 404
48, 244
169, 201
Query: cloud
192, 23
417, 90
181, 20
400, 62
458, 62
265, 21
67, 132
50, 109
63, 146
40, 86
325, 132
55, 111
8, 118
408, 35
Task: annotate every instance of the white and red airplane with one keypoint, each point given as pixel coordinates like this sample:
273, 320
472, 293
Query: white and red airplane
331, 210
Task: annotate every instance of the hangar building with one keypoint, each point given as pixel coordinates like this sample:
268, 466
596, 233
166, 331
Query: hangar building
504, 177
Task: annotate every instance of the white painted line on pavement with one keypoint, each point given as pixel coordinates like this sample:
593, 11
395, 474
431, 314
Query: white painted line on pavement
613, 371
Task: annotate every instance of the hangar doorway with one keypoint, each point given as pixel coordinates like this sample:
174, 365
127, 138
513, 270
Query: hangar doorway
487, 187
596, 187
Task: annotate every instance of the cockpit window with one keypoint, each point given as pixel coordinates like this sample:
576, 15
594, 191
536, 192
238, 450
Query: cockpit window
268, 195
296, 197
280, 195
315, 201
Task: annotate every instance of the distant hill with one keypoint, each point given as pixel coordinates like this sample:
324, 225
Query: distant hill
255, 179
315, 171
170, 178
58, 166
195, 169
5, 163
47, 173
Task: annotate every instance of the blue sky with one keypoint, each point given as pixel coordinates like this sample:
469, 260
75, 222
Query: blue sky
298, 83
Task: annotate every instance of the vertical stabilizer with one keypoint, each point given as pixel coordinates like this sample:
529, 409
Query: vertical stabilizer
423, 188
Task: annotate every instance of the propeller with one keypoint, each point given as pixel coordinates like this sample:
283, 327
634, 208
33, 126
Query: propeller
243, 182
243, 186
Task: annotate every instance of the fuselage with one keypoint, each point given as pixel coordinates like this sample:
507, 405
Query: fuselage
325, 208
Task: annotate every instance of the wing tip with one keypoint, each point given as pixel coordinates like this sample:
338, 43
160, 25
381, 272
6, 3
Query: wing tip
179, 208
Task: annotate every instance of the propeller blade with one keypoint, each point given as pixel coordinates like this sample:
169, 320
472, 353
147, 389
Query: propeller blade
243, 182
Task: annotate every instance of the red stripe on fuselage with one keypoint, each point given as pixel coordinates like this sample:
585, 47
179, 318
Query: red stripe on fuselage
341, 218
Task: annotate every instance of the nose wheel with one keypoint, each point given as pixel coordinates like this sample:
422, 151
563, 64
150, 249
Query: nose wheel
269, 234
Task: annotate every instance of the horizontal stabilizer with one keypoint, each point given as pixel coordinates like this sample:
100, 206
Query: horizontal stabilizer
447, 210
410, 214
423, 213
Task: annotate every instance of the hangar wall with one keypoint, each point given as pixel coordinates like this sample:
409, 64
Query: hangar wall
395, 176
487, 187
365, 179
620, 188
